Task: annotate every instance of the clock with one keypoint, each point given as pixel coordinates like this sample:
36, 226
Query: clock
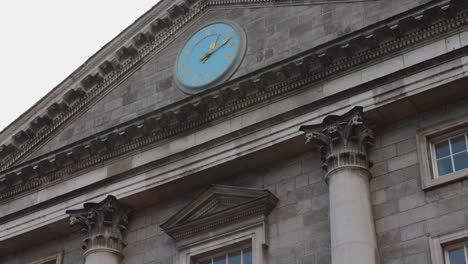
210, 57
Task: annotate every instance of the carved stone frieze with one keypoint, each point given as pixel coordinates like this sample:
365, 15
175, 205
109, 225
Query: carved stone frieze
103, 225
343, 140
288, 76
130, 56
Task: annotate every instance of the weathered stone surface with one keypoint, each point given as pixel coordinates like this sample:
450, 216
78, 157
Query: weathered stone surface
274, 34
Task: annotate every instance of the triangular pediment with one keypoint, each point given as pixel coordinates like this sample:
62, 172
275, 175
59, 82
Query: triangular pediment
77, 108
217, 206
55, 145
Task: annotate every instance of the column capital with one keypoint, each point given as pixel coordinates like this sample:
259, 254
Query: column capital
343, 140
103, 224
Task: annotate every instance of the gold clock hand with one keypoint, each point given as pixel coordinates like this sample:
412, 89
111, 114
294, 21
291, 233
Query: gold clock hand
212, 47
208, 54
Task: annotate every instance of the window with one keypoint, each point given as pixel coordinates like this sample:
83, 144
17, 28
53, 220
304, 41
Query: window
54, 259
451, 248
451, 155
223, 225
457, 254
238, 255
443, 153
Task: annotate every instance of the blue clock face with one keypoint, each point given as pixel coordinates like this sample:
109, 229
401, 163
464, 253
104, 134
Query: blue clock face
209, 57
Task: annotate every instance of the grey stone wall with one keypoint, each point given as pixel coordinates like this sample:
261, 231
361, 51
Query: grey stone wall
299, 226
273, 34
299, 229
405, 215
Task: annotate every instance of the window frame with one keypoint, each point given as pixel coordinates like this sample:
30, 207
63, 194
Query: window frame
223, 252
441, 244
426, 139
462, 244
435, 141
58, 257
190, 253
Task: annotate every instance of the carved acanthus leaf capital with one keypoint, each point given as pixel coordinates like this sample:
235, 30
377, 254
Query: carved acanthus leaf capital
343, 140
103, 224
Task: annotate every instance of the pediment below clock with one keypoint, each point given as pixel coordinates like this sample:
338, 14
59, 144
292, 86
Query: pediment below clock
219, 206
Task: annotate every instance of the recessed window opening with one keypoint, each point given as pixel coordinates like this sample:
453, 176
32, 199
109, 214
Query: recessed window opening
451, 155
235, 254
457, 254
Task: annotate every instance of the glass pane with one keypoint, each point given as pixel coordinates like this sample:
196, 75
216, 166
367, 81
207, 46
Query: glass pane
461, 161
205, 262
220, 260
458, 144
444, 166
235, 258
457, 256
247, 255
442, 149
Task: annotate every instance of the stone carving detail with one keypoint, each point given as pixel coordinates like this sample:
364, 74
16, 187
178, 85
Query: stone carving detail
292, 74
219, 206
343, 140
103, 224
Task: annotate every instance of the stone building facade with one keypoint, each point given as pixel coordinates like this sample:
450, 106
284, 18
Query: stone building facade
340, 137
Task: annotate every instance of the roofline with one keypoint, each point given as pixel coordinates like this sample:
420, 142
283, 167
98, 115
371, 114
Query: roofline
5, 132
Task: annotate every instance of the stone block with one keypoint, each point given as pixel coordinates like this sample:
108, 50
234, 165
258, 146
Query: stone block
446, 223
417, 214
413, 231
402, 161
415, 246
412, 201
406, 146
388, 238
382, 154
450, 205
385, 209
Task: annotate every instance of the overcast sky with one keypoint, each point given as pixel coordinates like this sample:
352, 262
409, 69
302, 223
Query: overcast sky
43, 41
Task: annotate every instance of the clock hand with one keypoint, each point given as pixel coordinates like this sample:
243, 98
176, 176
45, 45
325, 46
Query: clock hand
212, 47
208, 54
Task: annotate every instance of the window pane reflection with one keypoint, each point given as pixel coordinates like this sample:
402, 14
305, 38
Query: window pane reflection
235, 258
445, 166
247, 256
457, 256
461, 161
243, 256
442, 150
221, 260
458, 144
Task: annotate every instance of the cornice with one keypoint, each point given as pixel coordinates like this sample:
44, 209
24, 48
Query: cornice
362, 48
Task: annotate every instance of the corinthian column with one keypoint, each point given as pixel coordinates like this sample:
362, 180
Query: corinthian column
103, 225
343, 142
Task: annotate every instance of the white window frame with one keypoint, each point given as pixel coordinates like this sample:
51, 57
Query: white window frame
224, 252
463, 244
255, 234
54, 259
439, 245
425, 140
435, 170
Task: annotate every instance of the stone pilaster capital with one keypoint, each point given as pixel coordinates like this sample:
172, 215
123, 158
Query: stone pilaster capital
343, 140
103, 225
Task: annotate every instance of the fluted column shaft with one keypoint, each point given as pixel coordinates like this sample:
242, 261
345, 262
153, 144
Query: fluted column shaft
103, 225
343, 142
